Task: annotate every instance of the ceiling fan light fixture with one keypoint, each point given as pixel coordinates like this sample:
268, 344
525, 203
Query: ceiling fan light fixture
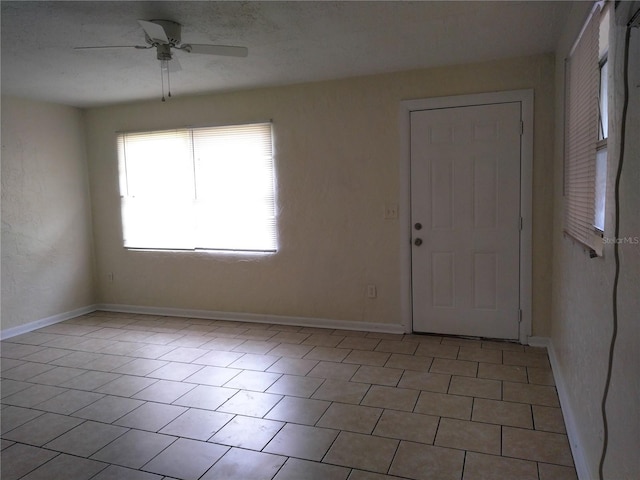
163, 52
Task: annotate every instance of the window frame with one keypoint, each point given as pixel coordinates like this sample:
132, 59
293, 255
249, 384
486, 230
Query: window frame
259, 151
583, 133
600, 188
600, 178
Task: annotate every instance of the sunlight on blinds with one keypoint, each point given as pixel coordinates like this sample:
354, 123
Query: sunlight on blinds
206, 188
581, 117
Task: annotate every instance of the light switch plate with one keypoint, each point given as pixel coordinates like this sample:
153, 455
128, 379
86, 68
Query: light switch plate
390, 211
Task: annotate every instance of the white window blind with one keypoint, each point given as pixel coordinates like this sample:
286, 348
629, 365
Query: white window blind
204, 188
583, 79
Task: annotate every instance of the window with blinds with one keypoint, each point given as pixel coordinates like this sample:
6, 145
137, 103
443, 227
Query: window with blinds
199, 189
581, 132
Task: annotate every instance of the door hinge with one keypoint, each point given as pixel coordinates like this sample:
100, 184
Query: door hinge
519, 315
521, 223
521, 127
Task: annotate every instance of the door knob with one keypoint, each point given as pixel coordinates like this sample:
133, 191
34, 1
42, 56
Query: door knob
418, 242
418, 226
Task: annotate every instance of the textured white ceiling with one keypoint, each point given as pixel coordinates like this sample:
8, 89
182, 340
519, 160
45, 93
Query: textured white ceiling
289, 42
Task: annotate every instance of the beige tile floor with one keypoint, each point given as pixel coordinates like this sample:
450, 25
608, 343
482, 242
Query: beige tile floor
125, 396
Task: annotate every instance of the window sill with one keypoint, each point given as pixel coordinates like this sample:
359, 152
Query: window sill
209, 251
595, 250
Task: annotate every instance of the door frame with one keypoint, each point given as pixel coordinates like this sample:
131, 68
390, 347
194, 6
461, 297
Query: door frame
525, 98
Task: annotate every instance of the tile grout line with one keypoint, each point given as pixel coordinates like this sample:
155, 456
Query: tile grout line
133, 357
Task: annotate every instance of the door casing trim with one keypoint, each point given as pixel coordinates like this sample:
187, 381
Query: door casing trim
526, 98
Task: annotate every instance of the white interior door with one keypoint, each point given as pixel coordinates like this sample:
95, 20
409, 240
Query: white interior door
465, 220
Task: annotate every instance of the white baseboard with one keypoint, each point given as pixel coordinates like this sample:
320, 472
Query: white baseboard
257, 318
581, 465
45, 322
206, 314
577, 449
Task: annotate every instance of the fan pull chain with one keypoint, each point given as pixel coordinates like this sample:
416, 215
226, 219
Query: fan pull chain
162, 81
168, 83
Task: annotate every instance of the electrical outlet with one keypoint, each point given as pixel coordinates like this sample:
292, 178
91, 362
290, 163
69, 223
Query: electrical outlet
372, 291
391, 210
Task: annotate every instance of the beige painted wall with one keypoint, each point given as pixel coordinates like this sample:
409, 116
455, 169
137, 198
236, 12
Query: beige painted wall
337, 147
337, 150
582, 303
47, 263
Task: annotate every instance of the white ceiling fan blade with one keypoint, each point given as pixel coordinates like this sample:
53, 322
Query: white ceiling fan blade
154, 31
112, 46
225, 50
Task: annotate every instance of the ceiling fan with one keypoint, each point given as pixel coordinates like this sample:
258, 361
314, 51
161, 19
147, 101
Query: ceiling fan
165, 36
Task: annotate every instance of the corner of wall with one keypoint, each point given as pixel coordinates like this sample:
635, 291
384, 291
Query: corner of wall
47, 257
